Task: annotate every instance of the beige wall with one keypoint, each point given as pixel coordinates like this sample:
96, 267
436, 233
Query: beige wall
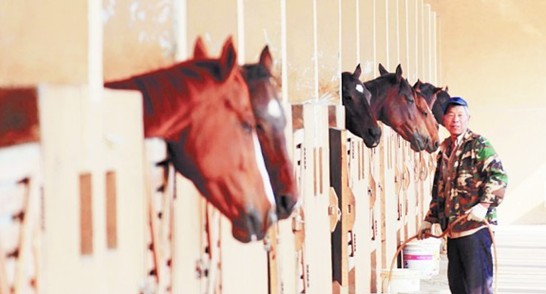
51, 49
493, 54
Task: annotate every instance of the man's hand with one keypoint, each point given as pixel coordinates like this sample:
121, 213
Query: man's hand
477, 212
424, 229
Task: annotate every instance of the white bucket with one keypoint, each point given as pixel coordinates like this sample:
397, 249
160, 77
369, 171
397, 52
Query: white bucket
423, 256
434, 244
403, 280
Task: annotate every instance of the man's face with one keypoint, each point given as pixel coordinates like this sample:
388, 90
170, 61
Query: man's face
456, 120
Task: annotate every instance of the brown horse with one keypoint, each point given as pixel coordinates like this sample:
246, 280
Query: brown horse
202, 109
359, 118
435, 96
395, 103
270, 123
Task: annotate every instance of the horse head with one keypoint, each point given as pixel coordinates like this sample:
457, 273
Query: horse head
425, 98
202, 109
359, 118
436, 98
270, 124
396, 104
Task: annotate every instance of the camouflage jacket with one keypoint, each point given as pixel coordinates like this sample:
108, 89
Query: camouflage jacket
472, 174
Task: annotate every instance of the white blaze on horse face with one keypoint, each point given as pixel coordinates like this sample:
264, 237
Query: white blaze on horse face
274, 108
263, 171
359, 88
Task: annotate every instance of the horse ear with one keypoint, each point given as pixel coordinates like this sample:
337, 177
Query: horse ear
382, 70
447, 89
399, 72
357, 72
417, 84
437, 90
265, 59
228, 59
199, 50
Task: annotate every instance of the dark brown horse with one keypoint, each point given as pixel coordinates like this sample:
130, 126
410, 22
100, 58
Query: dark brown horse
359, 118
270, 124
395, 103
432, 94
202, 109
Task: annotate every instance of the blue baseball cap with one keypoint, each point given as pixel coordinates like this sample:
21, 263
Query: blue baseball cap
455, 101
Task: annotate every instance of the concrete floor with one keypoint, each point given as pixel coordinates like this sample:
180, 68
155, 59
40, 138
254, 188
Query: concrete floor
437, 284
521, 262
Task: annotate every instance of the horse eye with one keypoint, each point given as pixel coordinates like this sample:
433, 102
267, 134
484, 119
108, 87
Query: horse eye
247, 127
260, 128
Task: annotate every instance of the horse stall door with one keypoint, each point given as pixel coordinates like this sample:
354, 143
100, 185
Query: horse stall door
93, 197
161, 186
387, 197
360, 243
375, 190
343, 236
316, 262
123, 175
282, 272
194, 266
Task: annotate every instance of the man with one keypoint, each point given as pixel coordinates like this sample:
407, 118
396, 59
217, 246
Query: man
469, 181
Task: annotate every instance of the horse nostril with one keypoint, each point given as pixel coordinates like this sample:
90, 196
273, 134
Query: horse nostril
253, 224
375, 132
285, 206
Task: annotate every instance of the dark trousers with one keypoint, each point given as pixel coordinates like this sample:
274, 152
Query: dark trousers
470, 265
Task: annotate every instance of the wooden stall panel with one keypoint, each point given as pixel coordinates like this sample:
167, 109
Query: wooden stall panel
193, 266
300, 59
316, 183
328, 51
350, 38
412, 40
343, 236
427, 44
393, 45
381, 30
123, 188
420, 21
75, 176
403, 23
285, 253
434, 48
60, 114
366, 15
387, 198
360, 244
20, 218
375, 215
